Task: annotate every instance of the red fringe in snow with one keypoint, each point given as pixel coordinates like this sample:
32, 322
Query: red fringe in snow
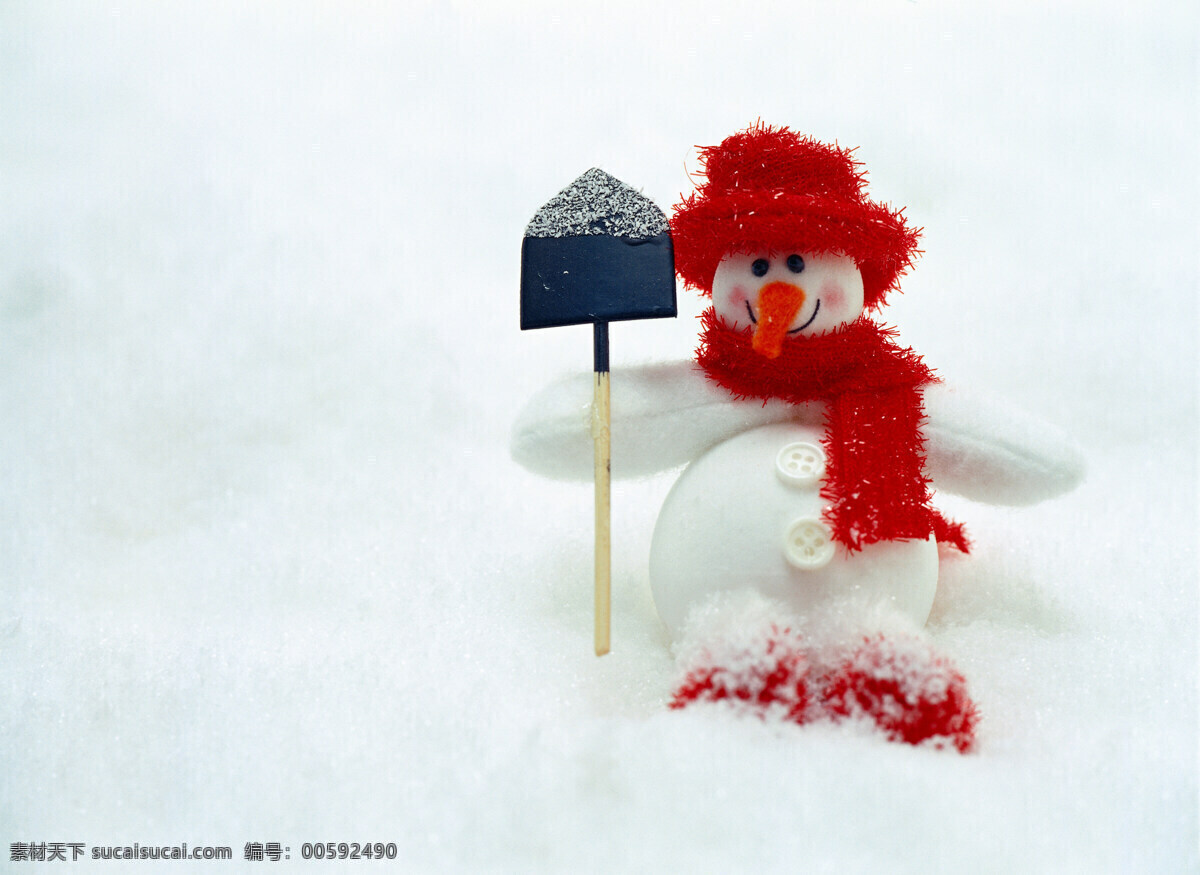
772, 190
901, 684
776, 678
910, 691
876, 484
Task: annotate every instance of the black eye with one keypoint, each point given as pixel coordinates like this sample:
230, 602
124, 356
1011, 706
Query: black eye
760, 267
795, 263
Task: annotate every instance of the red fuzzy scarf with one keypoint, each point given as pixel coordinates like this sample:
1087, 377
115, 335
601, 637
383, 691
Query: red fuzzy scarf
871, 387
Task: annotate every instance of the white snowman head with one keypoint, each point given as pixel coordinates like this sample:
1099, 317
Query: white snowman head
782, 294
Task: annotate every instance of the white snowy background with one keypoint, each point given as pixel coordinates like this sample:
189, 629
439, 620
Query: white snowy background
269, 574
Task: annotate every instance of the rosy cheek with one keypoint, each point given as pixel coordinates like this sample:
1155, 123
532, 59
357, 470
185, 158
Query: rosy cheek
832, 295
738, 296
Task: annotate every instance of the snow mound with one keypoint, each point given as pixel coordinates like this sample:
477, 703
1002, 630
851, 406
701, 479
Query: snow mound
597, 203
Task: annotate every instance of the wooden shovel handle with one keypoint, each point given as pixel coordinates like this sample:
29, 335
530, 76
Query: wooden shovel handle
601, 435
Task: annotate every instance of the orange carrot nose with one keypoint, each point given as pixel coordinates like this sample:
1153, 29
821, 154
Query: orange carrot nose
778, 304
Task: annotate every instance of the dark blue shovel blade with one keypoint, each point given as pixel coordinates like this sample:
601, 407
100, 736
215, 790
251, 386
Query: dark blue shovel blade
596, 278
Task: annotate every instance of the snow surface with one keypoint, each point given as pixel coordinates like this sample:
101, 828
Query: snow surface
270, 575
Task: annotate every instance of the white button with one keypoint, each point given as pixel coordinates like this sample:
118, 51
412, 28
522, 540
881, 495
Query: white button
808, 544
800, 464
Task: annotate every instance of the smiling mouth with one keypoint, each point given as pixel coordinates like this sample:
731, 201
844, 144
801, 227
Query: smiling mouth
816, 310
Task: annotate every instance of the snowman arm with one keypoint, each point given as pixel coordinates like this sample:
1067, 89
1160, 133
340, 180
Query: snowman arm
663, 416
990, 452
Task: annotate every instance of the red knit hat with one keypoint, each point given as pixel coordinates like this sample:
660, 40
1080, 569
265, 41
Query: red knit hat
775, 190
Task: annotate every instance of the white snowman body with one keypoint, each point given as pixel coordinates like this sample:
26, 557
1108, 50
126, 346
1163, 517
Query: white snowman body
748, 514
747, 511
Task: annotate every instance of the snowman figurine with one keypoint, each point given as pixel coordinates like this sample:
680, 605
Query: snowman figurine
812, 441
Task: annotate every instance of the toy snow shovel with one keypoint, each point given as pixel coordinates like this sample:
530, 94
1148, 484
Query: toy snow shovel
597, 252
